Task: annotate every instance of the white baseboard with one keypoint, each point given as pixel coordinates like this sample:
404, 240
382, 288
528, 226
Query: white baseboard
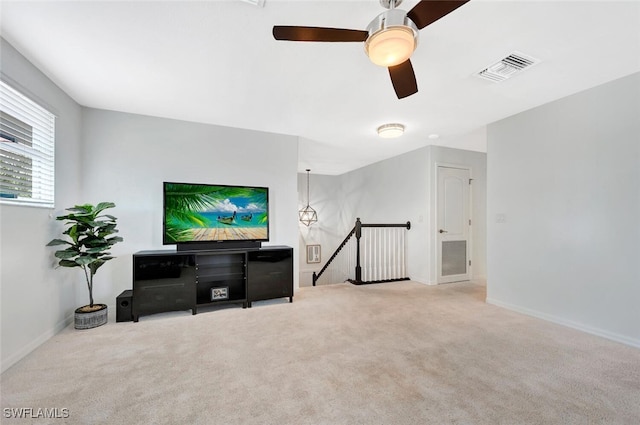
420, 279
44, 337
568, 323
305, 278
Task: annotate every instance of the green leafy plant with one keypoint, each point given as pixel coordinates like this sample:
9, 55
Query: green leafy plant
90, 237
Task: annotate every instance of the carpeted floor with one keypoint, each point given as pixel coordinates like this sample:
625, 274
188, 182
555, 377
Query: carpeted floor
393, 353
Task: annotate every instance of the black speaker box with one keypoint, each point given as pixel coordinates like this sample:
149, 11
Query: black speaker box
123, 306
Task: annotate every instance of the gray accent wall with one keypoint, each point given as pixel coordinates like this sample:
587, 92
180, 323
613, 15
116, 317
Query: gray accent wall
564, 211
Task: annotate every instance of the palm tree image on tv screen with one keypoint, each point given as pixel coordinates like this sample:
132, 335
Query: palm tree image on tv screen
209, 213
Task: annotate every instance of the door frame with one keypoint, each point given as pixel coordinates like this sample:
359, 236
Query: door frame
434, 224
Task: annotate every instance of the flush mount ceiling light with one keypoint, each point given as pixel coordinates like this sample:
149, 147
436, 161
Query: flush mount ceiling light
389, 131
308, 215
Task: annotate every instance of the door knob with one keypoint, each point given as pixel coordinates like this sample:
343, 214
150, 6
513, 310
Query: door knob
443, 231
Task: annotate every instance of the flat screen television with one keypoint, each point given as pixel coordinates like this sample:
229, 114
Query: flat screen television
205, 216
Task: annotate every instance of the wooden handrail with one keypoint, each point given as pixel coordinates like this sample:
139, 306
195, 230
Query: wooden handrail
407, 225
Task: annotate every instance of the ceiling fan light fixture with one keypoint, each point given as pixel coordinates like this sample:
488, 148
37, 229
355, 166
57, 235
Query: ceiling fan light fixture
389, 131
391, 46
393, 37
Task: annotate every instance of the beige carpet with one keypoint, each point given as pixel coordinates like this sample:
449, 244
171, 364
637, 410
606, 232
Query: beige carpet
395, 353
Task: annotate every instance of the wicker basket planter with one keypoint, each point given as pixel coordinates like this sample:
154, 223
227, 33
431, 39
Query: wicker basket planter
86, 317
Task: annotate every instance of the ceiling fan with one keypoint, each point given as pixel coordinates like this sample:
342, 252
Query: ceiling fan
390, 38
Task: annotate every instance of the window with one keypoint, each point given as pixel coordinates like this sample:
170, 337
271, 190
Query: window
27, 136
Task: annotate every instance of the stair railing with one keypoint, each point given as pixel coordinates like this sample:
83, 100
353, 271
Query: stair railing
342, 268
378, 254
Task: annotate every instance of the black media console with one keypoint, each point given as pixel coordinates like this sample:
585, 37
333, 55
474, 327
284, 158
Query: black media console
185, 280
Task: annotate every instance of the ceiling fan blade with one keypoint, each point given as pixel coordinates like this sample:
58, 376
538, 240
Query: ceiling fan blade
294, 33
403, 79
429, 11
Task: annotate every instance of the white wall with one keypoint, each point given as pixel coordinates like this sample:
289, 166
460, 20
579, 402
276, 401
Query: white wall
395, 190
332, 226
37, 301
566, 179
127, 157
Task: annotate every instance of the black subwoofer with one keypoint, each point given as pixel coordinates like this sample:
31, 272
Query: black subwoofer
123, 306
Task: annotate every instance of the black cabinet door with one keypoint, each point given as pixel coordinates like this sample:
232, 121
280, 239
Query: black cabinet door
270, 274
163, 283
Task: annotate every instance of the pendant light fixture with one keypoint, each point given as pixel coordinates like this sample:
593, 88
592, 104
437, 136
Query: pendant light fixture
308, 215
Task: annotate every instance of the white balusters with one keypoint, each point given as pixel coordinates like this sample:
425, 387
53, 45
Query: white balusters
383, 253
383, 256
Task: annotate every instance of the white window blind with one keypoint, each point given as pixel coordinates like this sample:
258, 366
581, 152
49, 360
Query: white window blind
27, 146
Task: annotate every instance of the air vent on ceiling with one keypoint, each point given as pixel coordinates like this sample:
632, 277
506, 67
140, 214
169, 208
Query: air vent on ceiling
507, 67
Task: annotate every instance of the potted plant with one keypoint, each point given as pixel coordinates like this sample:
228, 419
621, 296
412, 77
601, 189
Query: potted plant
90, 236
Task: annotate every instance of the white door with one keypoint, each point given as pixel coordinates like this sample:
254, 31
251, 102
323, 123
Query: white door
453, 224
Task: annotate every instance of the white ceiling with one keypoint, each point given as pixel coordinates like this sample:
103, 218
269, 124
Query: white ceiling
217, 62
